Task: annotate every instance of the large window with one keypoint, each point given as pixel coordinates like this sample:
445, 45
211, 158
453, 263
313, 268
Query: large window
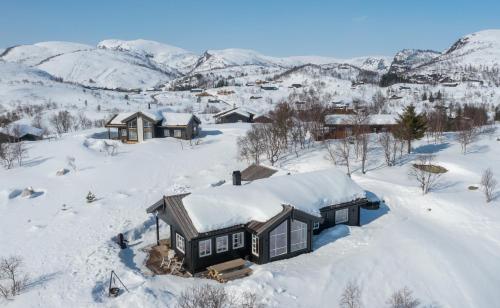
148, 130
205, 248
341, 216
132, 130
166, 132
221, 244
179, 242
177, 133
238, 240
255, 245
278, 240
298, 235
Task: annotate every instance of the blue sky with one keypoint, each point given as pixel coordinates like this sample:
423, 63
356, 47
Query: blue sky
281, 28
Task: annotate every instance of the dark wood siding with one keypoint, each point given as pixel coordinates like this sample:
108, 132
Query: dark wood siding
233, 118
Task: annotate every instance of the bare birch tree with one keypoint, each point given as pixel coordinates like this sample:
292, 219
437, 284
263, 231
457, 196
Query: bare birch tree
488, 184
423, 173
351, 296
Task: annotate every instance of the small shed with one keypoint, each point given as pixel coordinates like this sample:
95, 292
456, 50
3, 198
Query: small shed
234, 115
20, 131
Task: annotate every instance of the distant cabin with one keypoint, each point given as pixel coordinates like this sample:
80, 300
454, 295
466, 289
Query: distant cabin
262, 118
338, 126
20, 131
296, 85
141, 125
234, 115
266, 220
269, 88
196, 90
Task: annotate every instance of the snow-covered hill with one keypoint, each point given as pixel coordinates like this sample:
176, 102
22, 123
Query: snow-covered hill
32, 55
474, 57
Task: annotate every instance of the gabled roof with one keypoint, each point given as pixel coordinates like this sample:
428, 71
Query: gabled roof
237, 110
375, 119
167, 118
256, 172
177, 119
19, 129
224, 206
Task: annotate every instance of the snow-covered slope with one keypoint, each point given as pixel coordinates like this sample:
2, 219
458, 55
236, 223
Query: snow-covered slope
407, 59
163, 54
217, 59
473, 57
36, 53
106, 68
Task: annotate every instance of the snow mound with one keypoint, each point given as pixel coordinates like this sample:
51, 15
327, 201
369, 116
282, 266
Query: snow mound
100, 145
228, 205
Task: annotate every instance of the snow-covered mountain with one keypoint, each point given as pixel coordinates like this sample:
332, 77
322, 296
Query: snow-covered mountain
32, 55
474, 57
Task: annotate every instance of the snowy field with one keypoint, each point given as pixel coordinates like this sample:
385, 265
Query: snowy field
445, 245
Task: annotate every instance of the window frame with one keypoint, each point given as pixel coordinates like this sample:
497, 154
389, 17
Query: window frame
316, 225
300, 234
206, 252
346, 216
240, 241
166, 132
255, 245
177, 133
225, 248
180, 239
273, 239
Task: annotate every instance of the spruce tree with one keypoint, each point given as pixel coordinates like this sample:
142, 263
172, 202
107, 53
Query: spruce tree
411, 126
439, 96
424, 96
431, 98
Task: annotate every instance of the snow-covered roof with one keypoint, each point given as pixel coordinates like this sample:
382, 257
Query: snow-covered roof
375, 119
167, 118
175, 119
239, 110
20, 129
225, 206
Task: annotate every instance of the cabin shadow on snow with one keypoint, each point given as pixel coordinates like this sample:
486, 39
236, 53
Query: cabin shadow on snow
210, 132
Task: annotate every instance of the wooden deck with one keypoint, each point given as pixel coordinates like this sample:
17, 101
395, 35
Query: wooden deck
162, 261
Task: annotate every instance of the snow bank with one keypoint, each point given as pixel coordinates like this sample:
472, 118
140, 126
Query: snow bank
225, 206
100, 145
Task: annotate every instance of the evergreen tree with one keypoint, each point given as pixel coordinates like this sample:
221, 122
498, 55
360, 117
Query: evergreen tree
424, 96
411, 126
439, 95
431, 98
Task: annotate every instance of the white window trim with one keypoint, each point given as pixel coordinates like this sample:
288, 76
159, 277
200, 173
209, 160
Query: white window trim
177, 133
242, 241
180, 239
316, 225
338, 221
276, 235
303, 234
224, 241
206, 252
255, 245
166, 132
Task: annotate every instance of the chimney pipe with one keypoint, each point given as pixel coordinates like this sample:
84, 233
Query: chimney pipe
237, 178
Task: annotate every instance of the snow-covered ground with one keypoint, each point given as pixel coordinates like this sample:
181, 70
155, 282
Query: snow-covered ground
445, 245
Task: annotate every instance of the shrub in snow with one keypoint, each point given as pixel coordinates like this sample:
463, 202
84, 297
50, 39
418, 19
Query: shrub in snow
71, 162
351, 296
488, 183
403, 299
27, 192
90, 197
12, 280
425, 173
62, 171
208, 296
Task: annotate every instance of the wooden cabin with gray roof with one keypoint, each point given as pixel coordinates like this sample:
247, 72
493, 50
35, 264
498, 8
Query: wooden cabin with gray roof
261, 221
142, 125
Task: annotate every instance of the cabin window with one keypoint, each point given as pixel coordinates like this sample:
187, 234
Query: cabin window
179, 242
278, 240
316, 225
221, 244
298, 235
132, 124
123, 132
255, 245
341, 216
148, 130
166, 132
205, 248
177, 133
238, 240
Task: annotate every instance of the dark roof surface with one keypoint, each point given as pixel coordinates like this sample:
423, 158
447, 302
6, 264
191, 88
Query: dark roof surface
255, 172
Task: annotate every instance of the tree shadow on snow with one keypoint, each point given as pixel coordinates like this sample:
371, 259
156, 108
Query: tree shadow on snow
41, 280
36, 161
478, 149
431, 148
